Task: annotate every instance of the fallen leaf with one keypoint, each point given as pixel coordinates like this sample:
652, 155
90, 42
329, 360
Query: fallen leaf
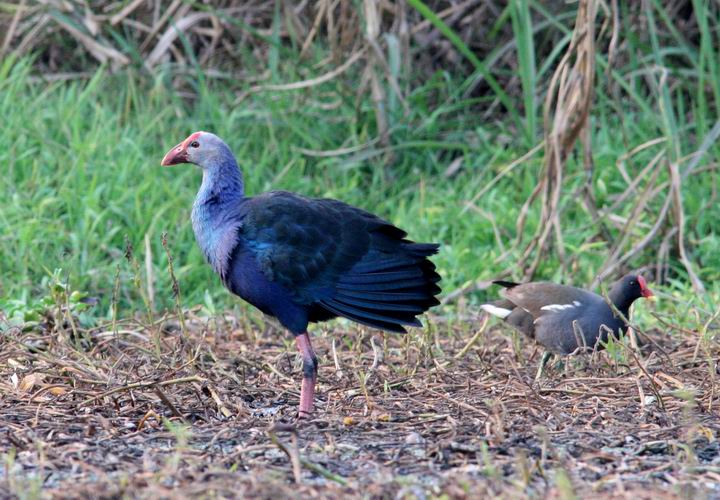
29, 381
150, 413
223, 409
70, 369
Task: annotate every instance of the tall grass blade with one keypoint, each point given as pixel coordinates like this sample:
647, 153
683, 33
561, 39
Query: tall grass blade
480, 67
525, 49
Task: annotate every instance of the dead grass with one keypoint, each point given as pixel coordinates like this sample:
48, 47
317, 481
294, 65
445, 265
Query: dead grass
146, 413
152, 32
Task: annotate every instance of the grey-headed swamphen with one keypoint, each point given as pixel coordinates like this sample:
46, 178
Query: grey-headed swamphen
302, 259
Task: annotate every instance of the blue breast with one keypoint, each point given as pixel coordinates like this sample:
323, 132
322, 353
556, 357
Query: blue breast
245, 279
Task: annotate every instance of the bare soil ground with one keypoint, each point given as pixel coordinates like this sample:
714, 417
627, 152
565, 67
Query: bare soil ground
158, 412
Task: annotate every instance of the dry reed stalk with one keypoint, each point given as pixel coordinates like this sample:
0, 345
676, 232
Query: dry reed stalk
372, 31
11, 29
567, 108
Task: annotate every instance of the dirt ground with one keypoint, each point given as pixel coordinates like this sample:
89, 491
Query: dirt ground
207, 410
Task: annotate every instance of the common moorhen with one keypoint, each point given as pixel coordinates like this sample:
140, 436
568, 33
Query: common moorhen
563, 318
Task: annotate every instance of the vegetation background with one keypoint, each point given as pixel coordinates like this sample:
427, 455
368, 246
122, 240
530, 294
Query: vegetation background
428, 114
567, 141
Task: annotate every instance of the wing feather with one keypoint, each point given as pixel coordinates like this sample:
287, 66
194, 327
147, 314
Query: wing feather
334, 257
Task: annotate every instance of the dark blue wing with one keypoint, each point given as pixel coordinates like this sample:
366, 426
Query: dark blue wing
338, 260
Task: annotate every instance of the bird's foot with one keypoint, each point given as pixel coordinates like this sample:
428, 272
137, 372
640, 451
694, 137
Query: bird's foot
541, 368
307, 395
307, 389
304, 415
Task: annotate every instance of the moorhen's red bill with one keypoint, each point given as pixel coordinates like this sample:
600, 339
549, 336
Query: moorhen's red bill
546, 312
302, 259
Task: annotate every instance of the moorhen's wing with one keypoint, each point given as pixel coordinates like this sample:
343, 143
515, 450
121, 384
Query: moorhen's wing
541, 298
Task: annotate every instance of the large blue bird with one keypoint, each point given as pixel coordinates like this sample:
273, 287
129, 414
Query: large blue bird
302, 259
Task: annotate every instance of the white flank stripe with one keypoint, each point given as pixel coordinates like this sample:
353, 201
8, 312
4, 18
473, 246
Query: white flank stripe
560, 307
496, 311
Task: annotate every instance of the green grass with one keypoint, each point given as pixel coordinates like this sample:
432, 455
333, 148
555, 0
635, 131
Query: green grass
81, 175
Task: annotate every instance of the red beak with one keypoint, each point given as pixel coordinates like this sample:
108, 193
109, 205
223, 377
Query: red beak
644, 290
176, 155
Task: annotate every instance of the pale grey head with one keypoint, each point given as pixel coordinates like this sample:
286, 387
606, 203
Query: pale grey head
203, 149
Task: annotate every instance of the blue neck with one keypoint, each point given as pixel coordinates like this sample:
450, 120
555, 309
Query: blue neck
214, 213
222, 181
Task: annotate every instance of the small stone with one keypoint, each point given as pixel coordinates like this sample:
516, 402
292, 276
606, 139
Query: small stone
414, 438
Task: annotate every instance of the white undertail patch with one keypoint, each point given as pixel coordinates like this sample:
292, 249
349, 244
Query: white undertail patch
560, 307
496, 311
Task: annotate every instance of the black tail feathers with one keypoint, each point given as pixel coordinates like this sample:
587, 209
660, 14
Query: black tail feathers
505, 284
388, 291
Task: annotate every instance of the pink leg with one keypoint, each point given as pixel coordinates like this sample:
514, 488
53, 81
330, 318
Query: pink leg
310, 363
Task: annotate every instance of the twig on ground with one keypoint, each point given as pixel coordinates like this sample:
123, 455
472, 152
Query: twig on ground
471, 342
143, 385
